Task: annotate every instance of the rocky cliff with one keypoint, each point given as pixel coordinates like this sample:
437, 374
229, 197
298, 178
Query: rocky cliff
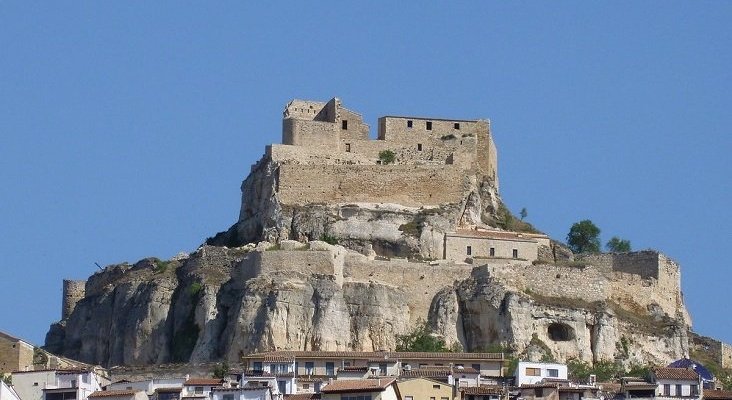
220, 303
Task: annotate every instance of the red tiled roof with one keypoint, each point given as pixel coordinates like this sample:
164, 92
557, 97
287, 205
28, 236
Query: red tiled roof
370, 355
203, 382
353, 369
114, 393
498, 235
718, 394
481, 390
168, 390
683, 374
360, 385
303, 396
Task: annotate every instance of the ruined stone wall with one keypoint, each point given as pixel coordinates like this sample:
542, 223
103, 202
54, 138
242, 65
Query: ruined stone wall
304, 261
456, 248
421, 281
353, 128
73, 291
588, 284
403, 184
309, 133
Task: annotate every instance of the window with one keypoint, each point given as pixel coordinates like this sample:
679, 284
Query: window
678, 390
552, 373
469, 250
198, 390
667, 390
538, 392
515, 253
492, 252
306, 386
432, 398
85, 378
257, 366
346, 363
329, 369
444, 398
694, 390
408, 398
533, 371
348, 147
229, 396
382, 369
35, 383
265, 384
435, 386
476, 367
282, 386
457, 126
309, 366
344, 124
429, 125
419, 146
73, 383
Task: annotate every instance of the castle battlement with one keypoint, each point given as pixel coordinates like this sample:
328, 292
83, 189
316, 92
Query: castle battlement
328, 133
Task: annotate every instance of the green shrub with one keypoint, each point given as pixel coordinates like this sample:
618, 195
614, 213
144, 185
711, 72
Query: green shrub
195, 289
448, 137
387, 157
329, 239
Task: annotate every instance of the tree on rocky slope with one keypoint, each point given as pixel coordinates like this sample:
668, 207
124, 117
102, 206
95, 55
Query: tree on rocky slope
421, 338
584, 237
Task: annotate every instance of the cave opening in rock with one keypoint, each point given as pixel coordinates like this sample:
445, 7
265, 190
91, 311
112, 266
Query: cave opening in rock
559, 332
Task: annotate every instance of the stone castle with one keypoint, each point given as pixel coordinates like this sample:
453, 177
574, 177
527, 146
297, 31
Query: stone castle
412, 237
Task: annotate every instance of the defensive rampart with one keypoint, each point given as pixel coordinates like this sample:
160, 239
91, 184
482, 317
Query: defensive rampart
402, 184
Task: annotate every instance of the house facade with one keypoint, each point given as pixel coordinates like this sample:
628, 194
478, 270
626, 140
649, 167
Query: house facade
529, 373
58, 384
425, 389
676, 383
366, 389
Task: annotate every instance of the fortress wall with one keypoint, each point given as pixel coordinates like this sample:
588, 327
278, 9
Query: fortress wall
303, 261
589, 284
456, 248
408, 185
355, 129
309, 133
421, 281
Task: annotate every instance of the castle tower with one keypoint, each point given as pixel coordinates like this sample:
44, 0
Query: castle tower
73, 292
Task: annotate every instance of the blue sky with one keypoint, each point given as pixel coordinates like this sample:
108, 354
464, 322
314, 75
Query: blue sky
127, 127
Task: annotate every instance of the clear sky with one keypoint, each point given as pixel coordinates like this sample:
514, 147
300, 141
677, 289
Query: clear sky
126, 128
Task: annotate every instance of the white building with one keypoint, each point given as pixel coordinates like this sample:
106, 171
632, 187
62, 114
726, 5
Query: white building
160, 389
200, 388
7, 392
529, 373
76, 384
242, 393
676, 383
118, 395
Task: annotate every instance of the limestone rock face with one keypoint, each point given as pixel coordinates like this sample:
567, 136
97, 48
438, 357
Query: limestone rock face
219, 303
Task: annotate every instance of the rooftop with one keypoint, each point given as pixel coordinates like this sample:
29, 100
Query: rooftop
683, 374
361, 385
113, 393
371, 355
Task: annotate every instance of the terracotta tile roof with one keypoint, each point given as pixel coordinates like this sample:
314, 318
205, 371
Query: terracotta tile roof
203, 382
255, 374
640, 386
353, 369
168, 390
438, 372
360, 385
279, 356
313, 378
718, 394
481, 390
683, 374
113, 393
498, 235
303, 396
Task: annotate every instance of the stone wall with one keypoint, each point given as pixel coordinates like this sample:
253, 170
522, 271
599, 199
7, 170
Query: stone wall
302, 261
15, 354
401, 184
73, 291
588, 284
421, 281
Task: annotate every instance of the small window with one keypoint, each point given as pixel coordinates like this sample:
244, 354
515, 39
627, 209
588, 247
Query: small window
306, 386
429, 125
667, 390
469, 250
678, 390
432, 398
694, 390
533, 371
35, 383
419, 146
444, 398
229, 396
457, 125
409, 124
476, 367
344, 124
348, 147
198, 390
538, 392
435, 386
492, 251
515, 253
408, 397
264, 384
552, 373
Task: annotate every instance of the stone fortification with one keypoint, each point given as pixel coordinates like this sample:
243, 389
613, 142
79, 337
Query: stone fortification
408, 185
73, 291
